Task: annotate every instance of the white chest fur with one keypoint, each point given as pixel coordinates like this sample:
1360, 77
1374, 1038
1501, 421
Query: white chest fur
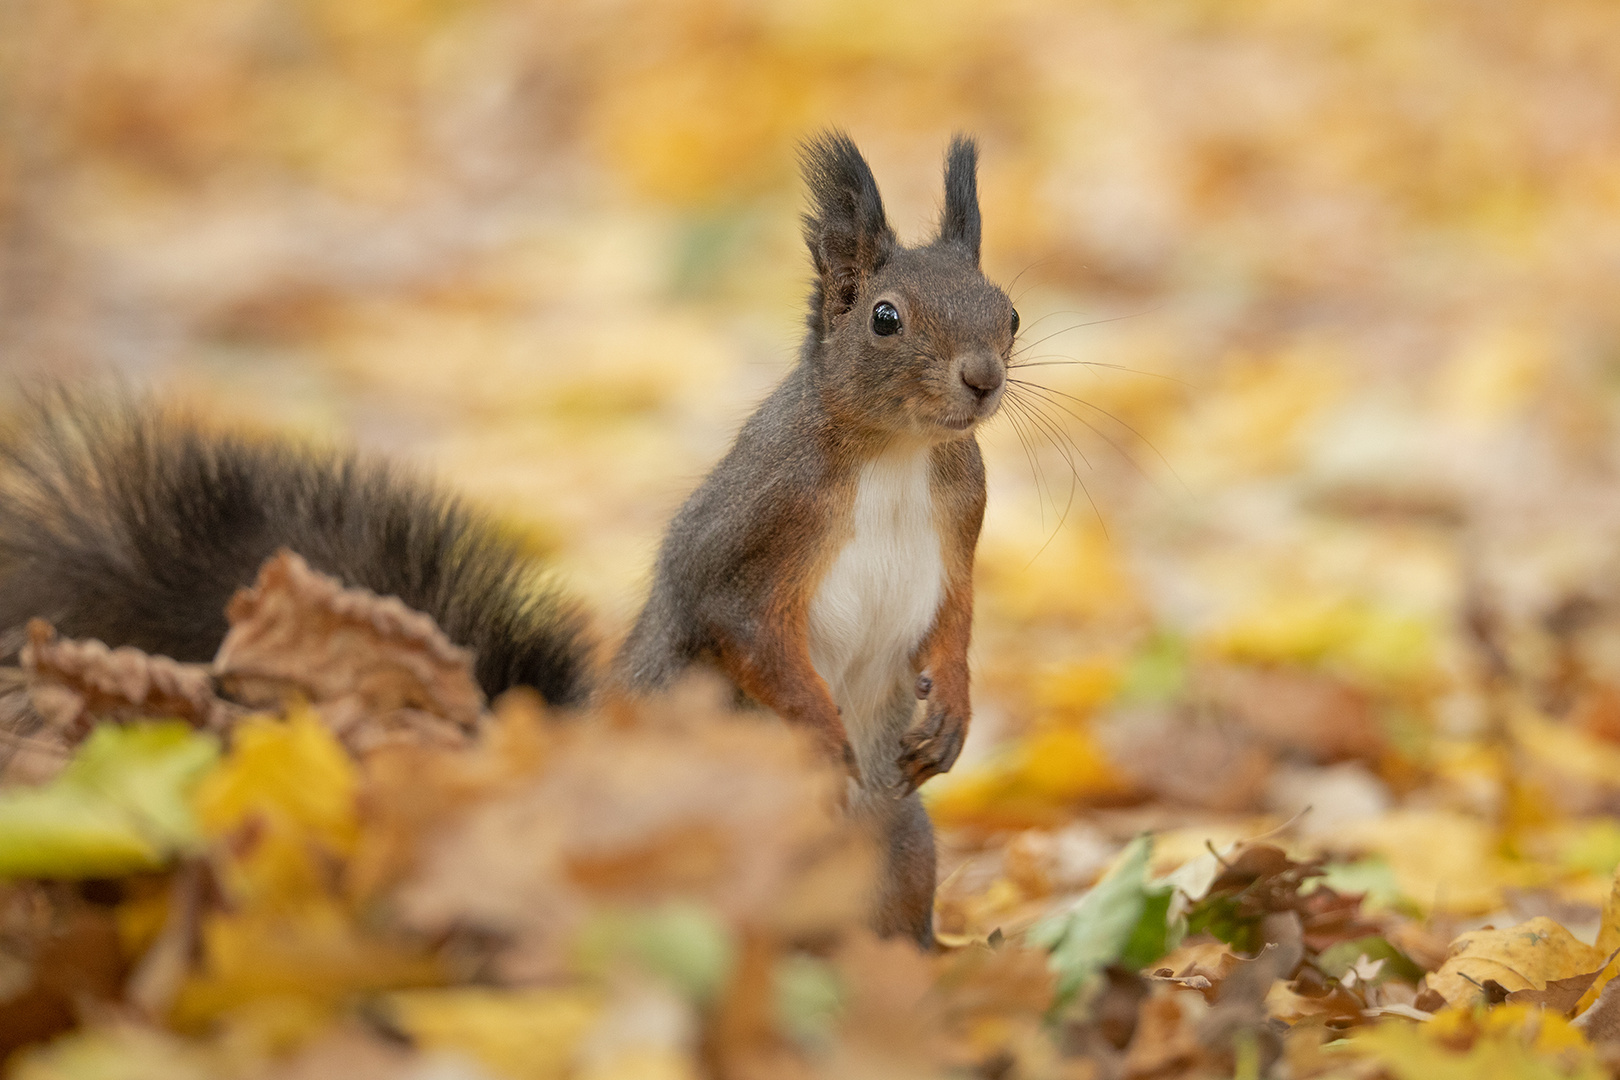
881, 594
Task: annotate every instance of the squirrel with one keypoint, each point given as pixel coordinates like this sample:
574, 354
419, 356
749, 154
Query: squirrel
136, 525
824, 566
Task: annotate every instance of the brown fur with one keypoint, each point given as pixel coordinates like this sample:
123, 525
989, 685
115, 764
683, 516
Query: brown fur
743, 559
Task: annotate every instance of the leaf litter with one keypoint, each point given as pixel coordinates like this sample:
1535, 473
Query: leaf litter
659, 888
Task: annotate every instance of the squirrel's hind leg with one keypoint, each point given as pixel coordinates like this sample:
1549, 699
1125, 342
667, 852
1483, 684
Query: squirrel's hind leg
905, 898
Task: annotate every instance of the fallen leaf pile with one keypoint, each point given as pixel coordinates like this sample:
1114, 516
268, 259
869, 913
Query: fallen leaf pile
320, 881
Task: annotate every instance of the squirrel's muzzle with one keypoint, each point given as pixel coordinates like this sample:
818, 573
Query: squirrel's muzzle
983, 375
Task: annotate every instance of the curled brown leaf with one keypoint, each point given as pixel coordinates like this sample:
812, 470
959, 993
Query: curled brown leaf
70, 683
378, 671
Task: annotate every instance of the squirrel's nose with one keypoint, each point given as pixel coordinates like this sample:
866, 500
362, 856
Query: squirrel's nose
982, 375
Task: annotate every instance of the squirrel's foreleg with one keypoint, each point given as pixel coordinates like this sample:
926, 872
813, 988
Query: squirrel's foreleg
932, 746
774, 669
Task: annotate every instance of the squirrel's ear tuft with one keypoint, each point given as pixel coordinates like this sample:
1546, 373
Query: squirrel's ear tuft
959, 224
847, 233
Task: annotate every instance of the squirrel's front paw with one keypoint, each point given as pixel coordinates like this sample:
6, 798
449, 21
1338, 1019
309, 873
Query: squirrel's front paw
932, 746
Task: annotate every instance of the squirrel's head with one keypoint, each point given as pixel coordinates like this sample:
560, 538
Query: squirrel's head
904, 339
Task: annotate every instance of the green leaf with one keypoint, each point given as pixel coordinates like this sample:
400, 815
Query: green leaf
1157, 673
1338, 959
1594, 847
809, 997
1155, 933
1219, 917
148, 771
121, 805
1099, 928
684, 943
67, 832
1373, 878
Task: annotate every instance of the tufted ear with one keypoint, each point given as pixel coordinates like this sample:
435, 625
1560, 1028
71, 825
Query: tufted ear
847, 233
959, 223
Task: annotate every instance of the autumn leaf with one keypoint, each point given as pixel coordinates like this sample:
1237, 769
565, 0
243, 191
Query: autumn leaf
1523, 957
1123, 919
122, 804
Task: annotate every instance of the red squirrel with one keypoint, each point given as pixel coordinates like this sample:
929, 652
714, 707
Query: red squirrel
825, 566
135, 525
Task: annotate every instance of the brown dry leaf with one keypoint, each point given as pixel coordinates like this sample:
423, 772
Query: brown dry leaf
1315, 714
1529, 956
166, 961
691, 804
1559, 995
1600, 1023
747, 1043
349, 1052
1166, 1035
1197, 965
58, 954
992, 1000
1240, 1010
891, 1024
1186, 761
378, 671
1597, 712
72, 683
411, 791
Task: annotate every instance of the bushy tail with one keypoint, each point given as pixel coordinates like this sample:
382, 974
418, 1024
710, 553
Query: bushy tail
135, 525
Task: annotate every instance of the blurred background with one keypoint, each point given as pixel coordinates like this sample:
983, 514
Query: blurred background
1316, 503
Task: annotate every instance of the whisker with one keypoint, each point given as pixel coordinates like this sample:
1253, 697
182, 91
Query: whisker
1038, 262
1043, 361
1074, 478
1082, 326
1051, 315
1056, 429
1098, 408
1034, 471
1058, 437
1101, 435
1032, 429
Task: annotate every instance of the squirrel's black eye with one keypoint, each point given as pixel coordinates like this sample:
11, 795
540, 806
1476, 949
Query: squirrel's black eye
1015, 322
885, 319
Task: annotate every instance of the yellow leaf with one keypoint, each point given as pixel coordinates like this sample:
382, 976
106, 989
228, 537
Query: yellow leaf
117, 1052
289, 790
1497, 373
1608, 940
1511, 1042
1523, 957
1079, 574
1074, 691
315, 955
1565, 749
1442, 860
1030, 782
517, 1034
643, 1063
296, 771
1363, 640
